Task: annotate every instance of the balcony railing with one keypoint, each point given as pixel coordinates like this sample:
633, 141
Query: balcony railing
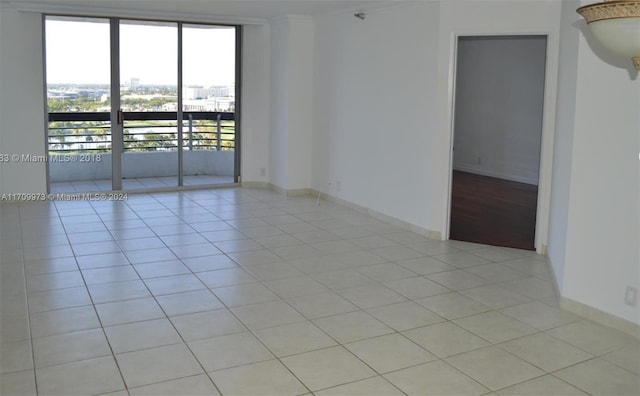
90, 132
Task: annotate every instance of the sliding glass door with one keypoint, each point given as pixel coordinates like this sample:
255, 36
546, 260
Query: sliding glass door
165, 109
148, 103
209, 103
78, 90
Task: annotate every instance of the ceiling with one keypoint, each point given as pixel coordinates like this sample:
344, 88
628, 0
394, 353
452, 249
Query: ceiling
239, 9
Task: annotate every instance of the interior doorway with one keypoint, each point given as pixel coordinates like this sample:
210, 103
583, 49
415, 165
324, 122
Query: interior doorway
498, 119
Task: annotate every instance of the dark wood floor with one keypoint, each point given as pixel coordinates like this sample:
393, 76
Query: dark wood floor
493, 211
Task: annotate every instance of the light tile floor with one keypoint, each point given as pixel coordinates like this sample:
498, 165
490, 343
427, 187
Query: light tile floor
238, 291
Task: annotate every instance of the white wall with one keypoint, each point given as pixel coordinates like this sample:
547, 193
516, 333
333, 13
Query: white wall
279, 104
291, 101
374, 113
255, 103
603, 227
22, 117
563, 145
498, 113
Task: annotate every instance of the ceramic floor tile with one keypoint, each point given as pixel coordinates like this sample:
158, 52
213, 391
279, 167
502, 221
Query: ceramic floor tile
269, 314
102, 260
250, 293
416, 287
445, 339
531, 266
461, 259
404, 316
141, 335
434, 378
62, 264
458, 279
495, 296
21, 383
494, 368
371, 295
626, 357
229, 351
95, 377
264, 378
121, 312
531, 287
452, 305
150, 255
196, 385
327, 368
207, 324
149, 366
209, 263
109, 275
396, 253
599, 377
494, 326
375, 386
352, 326
425, 265
63, 321
174, 284
545, 385
189, 302
16, 356
58, 280
539, 315
495, 254
70, 347
58, 299
389, 353
225, 277
321, 305
295, 287
161, 268
84, 249
294, 338
496, 272
118, 291
546, 352
386, 272
273, 271
591, 337
341, 279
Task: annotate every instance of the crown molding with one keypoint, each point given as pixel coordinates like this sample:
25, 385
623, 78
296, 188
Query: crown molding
92, 11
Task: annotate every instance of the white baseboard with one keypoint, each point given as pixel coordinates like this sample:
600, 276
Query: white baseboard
380, 216
599, 316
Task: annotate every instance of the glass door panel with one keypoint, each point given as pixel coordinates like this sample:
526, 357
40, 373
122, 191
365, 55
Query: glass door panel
209, 67
78, 104
149, 104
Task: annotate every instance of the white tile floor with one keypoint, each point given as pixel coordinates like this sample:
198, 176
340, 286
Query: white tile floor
237, 291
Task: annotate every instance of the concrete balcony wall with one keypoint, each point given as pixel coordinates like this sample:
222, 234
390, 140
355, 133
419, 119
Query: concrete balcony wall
81, 167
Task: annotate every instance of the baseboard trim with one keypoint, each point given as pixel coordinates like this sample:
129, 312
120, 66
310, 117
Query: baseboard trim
290, 193
380, 216
601, 317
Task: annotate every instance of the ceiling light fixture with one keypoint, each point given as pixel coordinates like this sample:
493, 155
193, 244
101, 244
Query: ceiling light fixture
616, 24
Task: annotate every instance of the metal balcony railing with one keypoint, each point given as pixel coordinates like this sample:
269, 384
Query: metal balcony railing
90, 132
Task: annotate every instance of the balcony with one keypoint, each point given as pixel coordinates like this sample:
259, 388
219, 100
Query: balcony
80, 146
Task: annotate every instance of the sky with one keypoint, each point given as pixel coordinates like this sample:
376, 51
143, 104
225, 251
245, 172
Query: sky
78, 53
